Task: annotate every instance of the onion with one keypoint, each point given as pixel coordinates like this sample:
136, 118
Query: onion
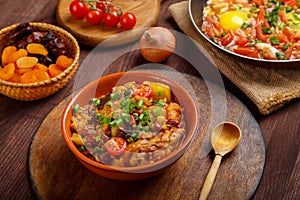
157, 44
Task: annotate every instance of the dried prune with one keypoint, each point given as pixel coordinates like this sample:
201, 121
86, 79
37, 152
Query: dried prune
22, 30
21, 44
46, 60
36, 37
48, 36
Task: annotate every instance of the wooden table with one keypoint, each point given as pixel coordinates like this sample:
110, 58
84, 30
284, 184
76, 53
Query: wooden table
19, 121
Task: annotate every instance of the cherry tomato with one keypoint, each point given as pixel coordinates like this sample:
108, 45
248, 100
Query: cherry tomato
78, 9
111, 17
116, 146
104, 5
143, 90
128, 20
94, 16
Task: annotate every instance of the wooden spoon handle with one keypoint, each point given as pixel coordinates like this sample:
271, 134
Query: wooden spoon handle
209, 181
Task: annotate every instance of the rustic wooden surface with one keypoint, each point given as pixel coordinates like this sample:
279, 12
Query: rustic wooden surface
146, 11
238, 176
19, 121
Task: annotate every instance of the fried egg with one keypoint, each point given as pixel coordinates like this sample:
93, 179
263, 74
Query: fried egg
231, 20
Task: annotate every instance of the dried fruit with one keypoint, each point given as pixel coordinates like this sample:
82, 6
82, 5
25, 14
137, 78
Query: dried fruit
22, 71
16, 78
26, 62
33, 56
41, 67
7, 71
64, 61
7, 51
55, 70
16, 55
35, 48
34, 76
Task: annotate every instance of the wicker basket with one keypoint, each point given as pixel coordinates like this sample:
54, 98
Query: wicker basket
38, 90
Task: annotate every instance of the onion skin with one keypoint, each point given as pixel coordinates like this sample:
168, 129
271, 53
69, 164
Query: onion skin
157, 44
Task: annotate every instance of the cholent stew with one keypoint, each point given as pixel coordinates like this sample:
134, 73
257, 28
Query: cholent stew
135, 124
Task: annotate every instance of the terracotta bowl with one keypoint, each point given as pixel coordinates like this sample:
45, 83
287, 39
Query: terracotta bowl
103, 86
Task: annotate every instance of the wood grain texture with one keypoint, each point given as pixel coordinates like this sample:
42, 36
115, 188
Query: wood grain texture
19, 121
56, 174
146, 12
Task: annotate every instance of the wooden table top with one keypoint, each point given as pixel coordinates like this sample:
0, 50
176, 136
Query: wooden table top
19, 121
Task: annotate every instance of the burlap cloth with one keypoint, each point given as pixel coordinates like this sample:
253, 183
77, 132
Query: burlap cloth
268, 88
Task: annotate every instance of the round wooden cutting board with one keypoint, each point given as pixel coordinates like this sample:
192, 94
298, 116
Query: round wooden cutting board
56, 174
146, 12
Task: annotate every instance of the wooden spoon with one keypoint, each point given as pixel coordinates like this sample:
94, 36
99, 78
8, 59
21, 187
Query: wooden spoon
224, 138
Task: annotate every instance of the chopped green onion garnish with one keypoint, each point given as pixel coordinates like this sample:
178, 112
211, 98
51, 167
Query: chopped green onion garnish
288, 9
95, 101
81, 149
97, 149
127, 92
274, 40
75, 109
109, 103
146, 128
285, 47
246, 25
126, 117
146, 112
267, 30
140, 104
161, 103
159, 94
114, 96
141, 116
98, 138
281, 56
119, 122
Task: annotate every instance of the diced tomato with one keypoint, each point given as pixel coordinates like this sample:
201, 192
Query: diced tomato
258, 2
241, 41
260, 35
288, 52
247, 51
282, 37
283, 16
227, 39
295, 37
261, 15
291, 3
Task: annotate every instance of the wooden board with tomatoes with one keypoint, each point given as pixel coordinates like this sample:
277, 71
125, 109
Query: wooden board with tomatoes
93, 28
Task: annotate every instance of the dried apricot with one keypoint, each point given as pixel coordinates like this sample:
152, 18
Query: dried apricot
34, 76
16, 55
7, 51
26, 62
64, 61
22, 71
16, 78
7, 71
41, 67
55, 69
36, 48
